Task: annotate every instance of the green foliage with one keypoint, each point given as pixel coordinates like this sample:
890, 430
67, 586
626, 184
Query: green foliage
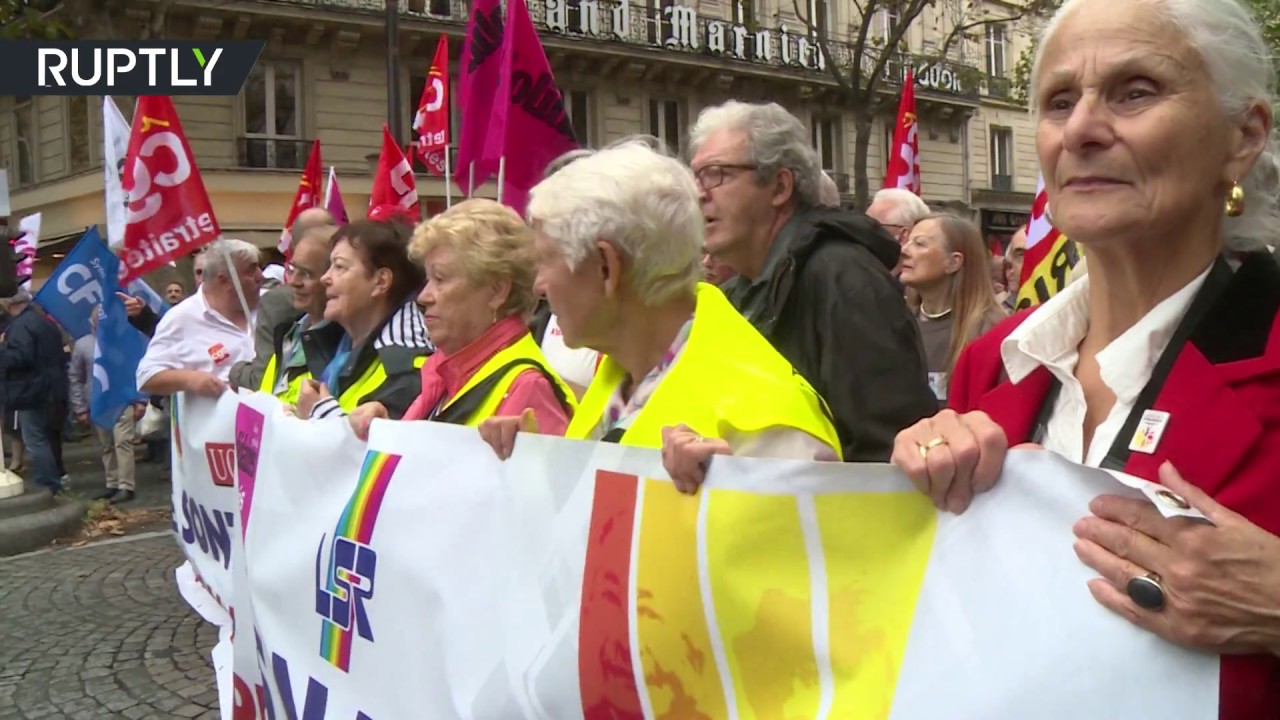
31, 20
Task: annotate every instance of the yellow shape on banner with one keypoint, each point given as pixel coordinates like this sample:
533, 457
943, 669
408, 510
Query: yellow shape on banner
1050, 275
877, 546
675, 647
761, 589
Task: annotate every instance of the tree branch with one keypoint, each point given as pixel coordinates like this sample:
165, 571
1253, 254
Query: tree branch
896, 33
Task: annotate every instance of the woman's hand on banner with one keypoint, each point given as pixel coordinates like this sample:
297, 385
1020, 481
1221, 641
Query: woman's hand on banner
686, 456
311, 392
952, 457
500, 432
363, 416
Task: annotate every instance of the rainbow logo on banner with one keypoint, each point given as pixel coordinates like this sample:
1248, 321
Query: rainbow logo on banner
345, 583
175, 427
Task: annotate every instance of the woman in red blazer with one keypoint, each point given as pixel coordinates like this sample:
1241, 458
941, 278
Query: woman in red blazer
1154, 135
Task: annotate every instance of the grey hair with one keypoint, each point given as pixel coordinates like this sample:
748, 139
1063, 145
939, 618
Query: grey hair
1229, 41
215, 255
22, 296
559, 163
776, 140
908, 208
829, 192
643, 202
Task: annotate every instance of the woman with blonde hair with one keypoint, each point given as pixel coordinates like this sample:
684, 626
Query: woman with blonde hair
480, 266
949, 288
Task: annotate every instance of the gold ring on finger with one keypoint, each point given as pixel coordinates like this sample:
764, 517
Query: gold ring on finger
925, 448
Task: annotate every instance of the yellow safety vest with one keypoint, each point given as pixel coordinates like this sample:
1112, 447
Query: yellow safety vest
484, 391
290, 394
369, 382
727, 380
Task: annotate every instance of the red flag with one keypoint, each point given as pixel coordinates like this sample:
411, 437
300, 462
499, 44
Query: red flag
1049, 256
432, 119
903, 170
307, 197
169, 214
394, 183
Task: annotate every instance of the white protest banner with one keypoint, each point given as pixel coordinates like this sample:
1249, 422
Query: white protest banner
206, 519
418, 576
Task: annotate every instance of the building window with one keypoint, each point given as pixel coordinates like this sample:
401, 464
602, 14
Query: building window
659, 25
24, 139
577, 103
417, 83
886, 20
995, 50
664, 124
79, 141
826, 141
272, 123
819, 16
744, 12
1001, 158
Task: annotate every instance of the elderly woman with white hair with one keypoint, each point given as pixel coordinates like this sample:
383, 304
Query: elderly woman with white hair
619, 234
1154, 133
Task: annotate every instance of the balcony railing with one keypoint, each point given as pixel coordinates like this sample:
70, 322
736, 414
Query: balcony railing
272, 153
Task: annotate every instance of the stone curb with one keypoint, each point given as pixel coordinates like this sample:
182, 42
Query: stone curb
28, 532
25, 504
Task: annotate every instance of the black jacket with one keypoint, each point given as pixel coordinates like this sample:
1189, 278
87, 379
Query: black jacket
829, 304
33, 363
146, 321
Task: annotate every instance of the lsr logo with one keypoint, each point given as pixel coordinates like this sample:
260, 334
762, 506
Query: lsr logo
343, 585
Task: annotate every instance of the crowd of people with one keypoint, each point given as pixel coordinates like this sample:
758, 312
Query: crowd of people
728, 305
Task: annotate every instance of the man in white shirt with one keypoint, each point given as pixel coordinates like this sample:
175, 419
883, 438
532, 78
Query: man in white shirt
200, 338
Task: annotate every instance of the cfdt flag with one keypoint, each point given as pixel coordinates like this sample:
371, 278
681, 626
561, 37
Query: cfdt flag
432, 119
1049, 256
478, 74
307, 196
118, 349
80, 283
530, 127
903, 170
333, 199
100, 67
169, 213
394, 184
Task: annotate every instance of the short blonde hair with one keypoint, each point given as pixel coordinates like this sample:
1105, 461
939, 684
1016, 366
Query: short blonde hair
490, 242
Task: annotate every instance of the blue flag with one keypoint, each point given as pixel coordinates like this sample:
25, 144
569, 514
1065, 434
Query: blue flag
118, 349
140, 289
80, 282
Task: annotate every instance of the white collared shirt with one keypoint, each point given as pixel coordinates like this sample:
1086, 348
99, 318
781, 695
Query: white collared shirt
1051, 336
194, 336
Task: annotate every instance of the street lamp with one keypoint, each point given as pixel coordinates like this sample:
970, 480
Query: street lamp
395, 118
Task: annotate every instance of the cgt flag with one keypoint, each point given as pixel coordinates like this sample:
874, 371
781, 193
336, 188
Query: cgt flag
394, 185
903, 170
307, 197
96, 67
432, 119
169, 211
1049, 256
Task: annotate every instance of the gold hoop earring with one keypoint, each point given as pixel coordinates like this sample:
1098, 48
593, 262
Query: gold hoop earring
1235, 201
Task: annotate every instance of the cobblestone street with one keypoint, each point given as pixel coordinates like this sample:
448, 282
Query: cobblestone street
99, 632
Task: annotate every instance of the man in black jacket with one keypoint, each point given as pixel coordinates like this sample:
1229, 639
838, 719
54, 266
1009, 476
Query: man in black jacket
32, 365
814, 280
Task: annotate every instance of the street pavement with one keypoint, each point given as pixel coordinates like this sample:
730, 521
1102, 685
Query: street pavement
99, 631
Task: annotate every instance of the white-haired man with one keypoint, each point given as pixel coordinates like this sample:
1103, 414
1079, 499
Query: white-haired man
202, 337
812, 279
829, 192
897, 210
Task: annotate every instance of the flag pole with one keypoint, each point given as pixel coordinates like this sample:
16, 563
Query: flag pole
448, 180
471, 179
502, 175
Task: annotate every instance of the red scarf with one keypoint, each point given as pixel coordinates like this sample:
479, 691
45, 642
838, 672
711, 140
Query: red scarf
444, 375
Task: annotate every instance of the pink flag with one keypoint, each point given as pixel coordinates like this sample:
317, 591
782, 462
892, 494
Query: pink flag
333, 199
529, 126
478, 86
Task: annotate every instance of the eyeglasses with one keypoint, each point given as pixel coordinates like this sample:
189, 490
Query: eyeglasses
303, 274
711, 177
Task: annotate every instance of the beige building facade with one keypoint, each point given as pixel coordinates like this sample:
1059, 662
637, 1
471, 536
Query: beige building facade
625, 66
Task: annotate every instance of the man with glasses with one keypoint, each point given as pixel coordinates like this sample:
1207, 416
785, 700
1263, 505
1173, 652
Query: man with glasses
276, 307
813, 279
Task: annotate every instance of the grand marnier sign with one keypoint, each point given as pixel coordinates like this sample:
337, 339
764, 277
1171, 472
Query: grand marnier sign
678, 27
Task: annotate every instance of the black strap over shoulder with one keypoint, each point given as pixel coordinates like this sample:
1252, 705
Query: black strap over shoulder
1118, 456
461, 409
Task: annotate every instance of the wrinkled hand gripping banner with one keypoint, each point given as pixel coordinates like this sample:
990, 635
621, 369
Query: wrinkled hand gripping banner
419, 577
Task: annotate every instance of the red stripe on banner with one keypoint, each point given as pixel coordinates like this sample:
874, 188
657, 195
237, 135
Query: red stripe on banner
605, 673
1036, 254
